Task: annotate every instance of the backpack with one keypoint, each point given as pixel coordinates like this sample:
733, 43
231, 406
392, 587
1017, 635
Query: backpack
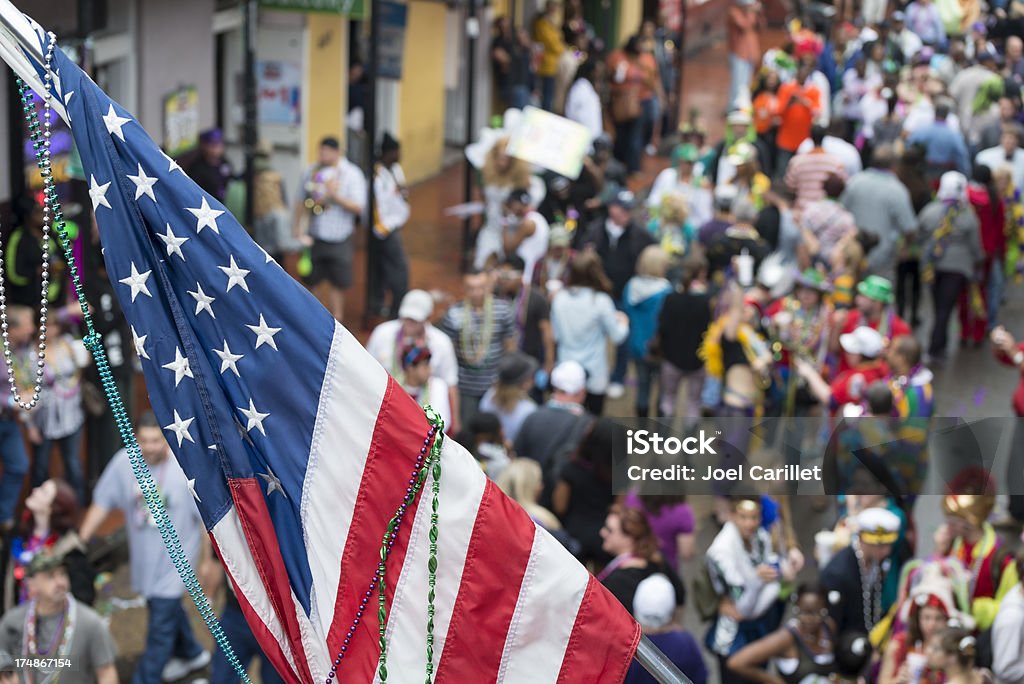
705, 598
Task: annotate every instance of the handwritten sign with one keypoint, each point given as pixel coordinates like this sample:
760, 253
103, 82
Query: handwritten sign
550, 141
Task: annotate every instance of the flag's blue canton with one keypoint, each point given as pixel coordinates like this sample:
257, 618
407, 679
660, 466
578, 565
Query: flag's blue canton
233, 349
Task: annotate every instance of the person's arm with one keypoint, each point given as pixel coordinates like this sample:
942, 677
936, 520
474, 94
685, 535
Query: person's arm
525, 229
747, 662
453, 403
94, 517
614, 323
887, 675
560, 498
686, 545
816, 384
1007, 658
350, 197
547, 336
107, 674
963, 158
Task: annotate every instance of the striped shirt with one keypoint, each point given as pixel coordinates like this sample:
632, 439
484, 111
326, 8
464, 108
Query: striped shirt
830, 222
806, 175
476, 376
334, 224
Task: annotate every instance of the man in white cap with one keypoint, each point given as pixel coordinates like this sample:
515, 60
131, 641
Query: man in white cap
413, 327
855, 578
552, 432
739, 130
654, 607
864, 349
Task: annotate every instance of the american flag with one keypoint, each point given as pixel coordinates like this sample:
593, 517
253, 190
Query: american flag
298, 447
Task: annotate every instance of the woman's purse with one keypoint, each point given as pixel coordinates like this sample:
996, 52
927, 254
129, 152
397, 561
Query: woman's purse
626, 105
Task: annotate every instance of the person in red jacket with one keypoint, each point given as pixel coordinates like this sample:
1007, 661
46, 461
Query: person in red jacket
863, 349
873, 309
1011, 353
991, 211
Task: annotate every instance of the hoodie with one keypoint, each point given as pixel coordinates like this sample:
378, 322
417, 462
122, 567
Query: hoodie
642, 300
992, 220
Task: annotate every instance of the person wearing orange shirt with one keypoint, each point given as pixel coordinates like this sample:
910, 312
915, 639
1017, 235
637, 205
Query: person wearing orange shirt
799, 103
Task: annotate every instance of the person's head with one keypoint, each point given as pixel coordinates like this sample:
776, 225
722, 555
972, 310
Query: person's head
653, 261
745, 212
810, 604
879, 399
510, 275
674, 209
1007, 108
150, 437
597, 446
416, 364
626, 530
739, 123
211, 145
586, 271
330, 151
414, 313
356, 71
1010, 138
847, 257
1002, 178
818, 135
21, 325
694, 267
47, 580
516, 372
518, 202
877, 530
551, 8
883, 156
654, 602
725, 198
56, 502
569, 382
810, 289
834, 186
522, 481
390, 150
942, 110
860, 66
926, 618
966, 514
588, 71
862, 346
874, 294
559, 241
620, 208
952, 650
904, 354
746, 516
475, 283
1014, 49
28, 212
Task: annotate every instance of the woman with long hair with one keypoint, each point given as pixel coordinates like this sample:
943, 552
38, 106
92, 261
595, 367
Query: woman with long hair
627, 537
632, 83
584, 320
501, 174
509, 397
672, 521
952, 652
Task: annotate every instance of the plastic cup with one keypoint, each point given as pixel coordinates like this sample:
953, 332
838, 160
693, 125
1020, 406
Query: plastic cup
915, 664
745, 269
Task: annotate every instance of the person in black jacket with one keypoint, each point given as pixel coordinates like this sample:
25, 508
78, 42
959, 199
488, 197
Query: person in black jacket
618, 241
684, 318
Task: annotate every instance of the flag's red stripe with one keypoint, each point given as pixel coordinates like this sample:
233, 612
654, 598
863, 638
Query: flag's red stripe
397, 439
599, 616
262, 539
268, 642
499, 551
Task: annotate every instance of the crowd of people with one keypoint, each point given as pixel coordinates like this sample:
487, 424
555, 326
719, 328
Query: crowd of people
871, 166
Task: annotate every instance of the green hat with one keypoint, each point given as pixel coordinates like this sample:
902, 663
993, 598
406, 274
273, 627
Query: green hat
685, 153
43, 561
814, 279
876, 288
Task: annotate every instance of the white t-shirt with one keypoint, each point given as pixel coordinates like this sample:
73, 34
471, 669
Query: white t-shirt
535, 247
583, 105
437, 398
384, 346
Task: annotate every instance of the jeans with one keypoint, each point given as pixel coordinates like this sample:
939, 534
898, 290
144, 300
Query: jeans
547, 92
740, 74
168, 635
69, 447
517, 96
241, 638
996, 285
945, 294
12, 451
650, 113
646, 378
908, 283
671, 377
629, 143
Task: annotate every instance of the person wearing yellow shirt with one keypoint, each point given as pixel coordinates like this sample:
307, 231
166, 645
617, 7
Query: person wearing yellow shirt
548, 33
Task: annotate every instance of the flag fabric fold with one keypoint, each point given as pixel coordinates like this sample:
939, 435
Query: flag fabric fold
299, 448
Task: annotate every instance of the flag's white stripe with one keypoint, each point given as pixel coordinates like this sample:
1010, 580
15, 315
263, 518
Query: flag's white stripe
462, 489
350, 398
549, 600
239, 563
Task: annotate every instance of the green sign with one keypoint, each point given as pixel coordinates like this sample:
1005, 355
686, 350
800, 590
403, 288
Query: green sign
355, 9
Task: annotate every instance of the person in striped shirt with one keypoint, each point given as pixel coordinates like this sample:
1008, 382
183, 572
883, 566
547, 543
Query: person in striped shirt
806, 173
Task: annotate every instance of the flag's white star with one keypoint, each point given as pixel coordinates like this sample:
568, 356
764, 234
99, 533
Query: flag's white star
137, 281
98, 194
212, 447
273, 482
140, 344
180, 367
203, 300
206, 217
254, 417
172, 165
143, 184
192, 490
236, 275
114, 123
227, 359
173, 242
264, 333
180, 428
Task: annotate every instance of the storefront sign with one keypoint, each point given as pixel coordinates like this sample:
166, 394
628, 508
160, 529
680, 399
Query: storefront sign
551, 141
279, 85
392, 38
356, 9
181, 121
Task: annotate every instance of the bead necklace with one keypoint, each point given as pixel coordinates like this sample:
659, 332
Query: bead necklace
61, 649
474, 346
42, 149
870, 588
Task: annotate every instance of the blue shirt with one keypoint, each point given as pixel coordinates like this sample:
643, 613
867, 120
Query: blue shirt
945, 146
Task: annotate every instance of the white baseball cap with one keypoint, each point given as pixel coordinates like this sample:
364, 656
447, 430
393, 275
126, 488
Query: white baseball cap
952, 187
417, 305
569, 377
864, 341
654, 601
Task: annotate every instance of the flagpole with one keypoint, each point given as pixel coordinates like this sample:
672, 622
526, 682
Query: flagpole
16, 32
658, 665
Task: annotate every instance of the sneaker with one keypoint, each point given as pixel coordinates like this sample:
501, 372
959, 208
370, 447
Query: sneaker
178, 668
615, 390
